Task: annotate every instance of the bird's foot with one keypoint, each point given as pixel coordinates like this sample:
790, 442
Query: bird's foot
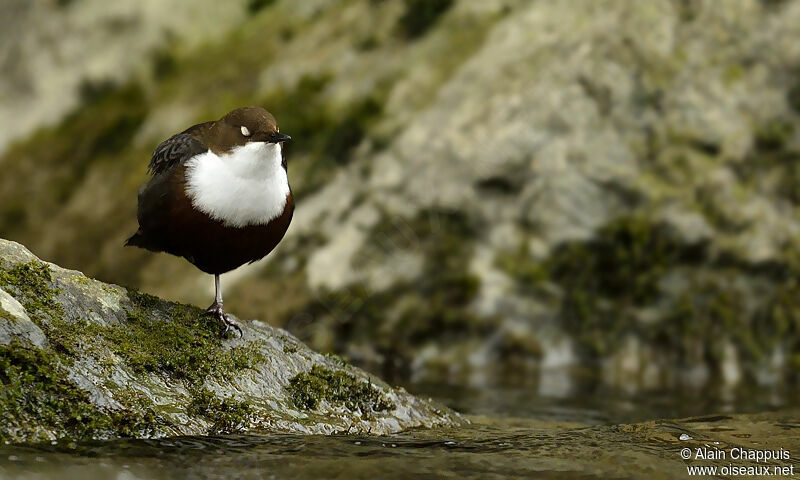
216, 311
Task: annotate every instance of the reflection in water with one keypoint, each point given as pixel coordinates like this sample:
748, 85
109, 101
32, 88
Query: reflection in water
514, 434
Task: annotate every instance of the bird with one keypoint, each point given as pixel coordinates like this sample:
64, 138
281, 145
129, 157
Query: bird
218, 195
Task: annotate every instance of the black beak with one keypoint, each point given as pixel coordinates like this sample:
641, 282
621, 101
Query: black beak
279, 137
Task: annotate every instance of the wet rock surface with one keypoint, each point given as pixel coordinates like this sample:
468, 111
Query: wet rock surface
81, 358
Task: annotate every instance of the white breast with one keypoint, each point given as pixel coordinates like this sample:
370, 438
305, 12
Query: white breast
247, 186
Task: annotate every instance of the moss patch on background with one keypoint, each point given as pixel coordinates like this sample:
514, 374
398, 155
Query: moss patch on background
624, 261
420, 15
517, 264
308, 389
255, 6
396, 323
608, 281
603, 279
774, 154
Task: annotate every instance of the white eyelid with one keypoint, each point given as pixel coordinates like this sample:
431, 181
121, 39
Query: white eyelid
245, 131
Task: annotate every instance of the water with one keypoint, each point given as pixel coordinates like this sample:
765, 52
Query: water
515, 433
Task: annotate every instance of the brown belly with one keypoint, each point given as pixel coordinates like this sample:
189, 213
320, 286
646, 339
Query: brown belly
215, 248
169, 223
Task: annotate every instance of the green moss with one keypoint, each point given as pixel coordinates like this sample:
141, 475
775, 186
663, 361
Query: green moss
733, 73
176, 340
230, 65
35, 386
606, 283
773, 135
164, 64
7, 316
340, 360
37, 394
255, 6
789, 181
32, 285
616, 271
793, 94
794, 363
701, 317
103, 127
366, 43
338, 387
773, 3
421, 15
720, 217
226, 414
779, 323
624, 260
71, 338
348, 132
774, 157
519, 265
717, 309
137, 418
158, 336
433, 308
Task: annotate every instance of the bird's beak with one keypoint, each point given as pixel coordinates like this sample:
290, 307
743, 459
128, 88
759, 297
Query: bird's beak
278, 137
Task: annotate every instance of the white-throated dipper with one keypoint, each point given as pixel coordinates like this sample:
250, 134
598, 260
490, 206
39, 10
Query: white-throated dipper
219, 196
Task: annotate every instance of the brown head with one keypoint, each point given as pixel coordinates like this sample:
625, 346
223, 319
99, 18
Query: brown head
245, 125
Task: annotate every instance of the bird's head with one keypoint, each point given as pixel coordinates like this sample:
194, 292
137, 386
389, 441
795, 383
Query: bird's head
248, 125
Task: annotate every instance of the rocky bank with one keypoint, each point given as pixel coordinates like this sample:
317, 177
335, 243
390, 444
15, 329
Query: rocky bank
83, 359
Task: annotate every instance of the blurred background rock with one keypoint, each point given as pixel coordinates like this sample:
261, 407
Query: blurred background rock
547, 193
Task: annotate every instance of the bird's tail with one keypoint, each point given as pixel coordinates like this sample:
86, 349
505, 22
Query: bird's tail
135, 240
141, 240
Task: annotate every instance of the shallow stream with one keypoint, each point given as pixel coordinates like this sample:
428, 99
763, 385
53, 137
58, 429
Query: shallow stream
515, 433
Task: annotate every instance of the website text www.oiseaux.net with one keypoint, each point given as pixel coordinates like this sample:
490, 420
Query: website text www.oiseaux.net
742, 462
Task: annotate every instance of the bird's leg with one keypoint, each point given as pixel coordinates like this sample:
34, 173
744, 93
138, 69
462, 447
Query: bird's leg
216, 310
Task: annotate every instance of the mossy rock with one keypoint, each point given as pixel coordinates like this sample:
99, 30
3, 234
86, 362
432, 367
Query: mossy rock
420, 15
114, 362
637, 277
320, 384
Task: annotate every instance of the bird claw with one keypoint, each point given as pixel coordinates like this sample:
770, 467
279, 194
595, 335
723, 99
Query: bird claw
216, 310
230, 324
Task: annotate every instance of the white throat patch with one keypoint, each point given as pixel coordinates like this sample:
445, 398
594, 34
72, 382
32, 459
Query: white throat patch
247, 186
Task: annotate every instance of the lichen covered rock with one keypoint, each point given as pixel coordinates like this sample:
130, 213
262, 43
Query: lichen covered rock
80, 358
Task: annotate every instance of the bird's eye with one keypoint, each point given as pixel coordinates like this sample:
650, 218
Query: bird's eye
245, 131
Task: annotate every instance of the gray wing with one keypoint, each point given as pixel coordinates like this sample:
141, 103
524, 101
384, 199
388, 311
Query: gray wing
174, 151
